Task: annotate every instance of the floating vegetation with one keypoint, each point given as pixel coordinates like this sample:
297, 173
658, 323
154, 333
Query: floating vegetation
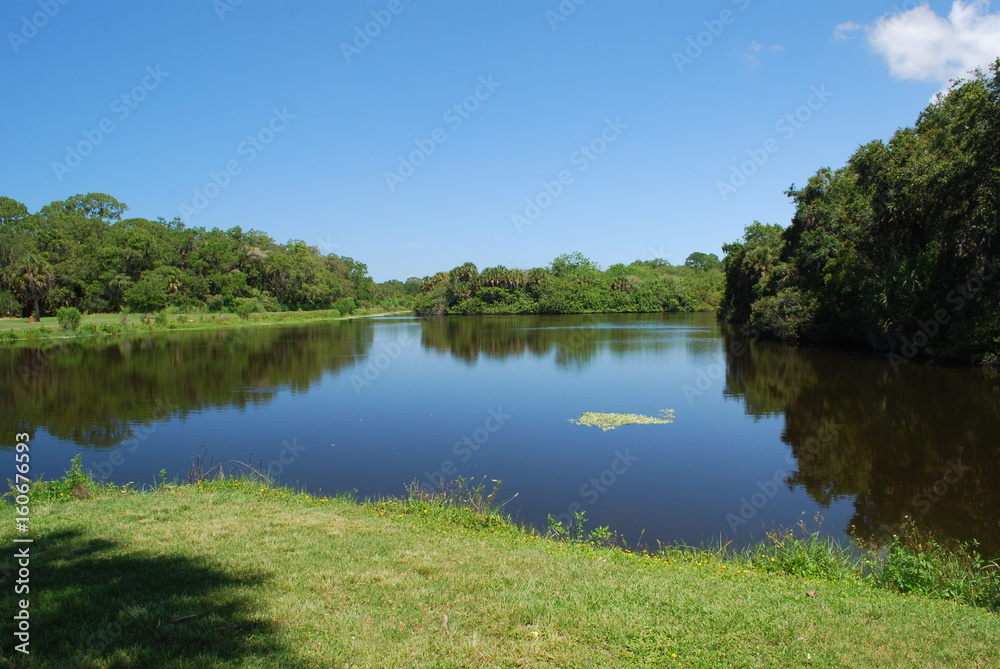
609, 421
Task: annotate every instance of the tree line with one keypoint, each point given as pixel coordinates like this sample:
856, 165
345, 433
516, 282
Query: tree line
81, 253
897, 250
573, 284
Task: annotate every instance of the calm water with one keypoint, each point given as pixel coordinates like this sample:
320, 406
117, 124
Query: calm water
764, 434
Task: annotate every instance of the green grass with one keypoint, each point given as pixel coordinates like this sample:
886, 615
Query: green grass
19, 329
235, 573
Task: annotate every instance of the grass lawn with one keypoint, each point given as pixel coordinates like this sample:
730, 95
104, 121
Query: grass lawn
111, 324
237, 574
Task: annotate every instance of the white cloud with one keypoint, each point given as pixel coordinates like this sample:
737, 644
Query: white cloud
844, 29
920, 44
756, 48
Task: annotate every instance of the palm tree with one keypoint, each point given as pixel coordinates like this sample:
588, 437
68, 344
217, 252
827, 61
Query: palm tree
31, 279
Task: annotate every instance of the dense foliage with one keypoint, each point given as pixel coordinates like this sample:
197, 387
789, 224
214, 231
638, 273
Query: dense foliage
573, 284
79, 253
897, 250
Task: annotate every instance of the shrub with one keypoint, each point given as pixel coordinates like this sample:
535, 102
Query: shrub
160, 319
786, 315
69, 318
916, 562
75, 483
9, 306
345, 305
246, 307
576, 530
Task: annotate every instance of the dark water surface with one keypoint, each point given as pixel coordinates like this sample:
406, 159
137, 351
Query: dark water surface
764, 434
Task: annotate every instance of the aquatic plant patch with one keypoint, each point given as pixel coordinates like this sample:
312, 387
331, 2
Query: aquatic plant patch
609, 421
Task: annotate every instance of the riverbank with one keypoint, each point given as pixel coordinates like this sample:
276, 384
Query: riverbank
238, 573
19, 329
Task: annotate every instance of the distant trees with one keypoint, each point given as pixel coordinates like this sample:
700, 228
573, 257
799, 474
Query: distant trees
703, 261
571, 283
80, 253
898, 250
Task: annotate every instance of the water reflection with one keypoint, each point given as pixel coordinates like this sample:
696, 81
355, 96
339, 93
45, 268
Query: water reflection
572, 341
920, 441
93, 392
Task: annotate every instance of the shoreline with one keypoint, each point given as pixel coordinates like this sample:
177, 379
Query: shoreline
294, 579
97, 325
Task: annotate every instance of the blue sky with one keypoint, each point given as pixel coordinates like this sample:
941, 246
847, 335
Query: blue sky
492, 132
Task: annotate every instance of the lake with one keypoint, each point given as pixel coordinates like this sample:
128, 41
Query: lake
764, 434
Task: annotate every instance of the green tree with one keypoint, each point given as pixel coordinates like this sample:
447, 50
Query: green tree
31, 278
703, 261
11, 211
897, 249
573, 263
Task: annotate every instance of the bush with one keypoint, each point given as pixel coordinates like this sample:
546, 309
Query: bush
785, 315
246, 307
345, 305
9, 306
916, 562
576, 530
69, 318
160, 319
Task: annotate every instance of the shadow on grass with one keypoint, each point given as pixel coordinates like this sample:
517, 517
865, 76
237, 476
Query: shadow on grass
94, 605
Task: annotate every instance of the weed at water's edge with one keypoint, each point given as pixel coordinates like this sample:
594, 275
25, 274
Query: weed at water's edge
915, 562
576, 530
